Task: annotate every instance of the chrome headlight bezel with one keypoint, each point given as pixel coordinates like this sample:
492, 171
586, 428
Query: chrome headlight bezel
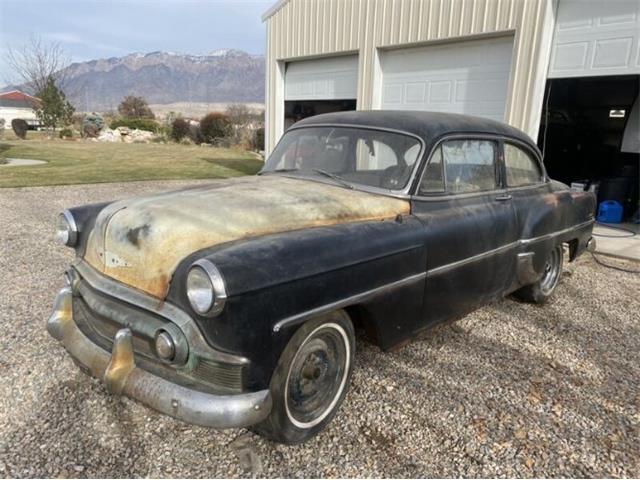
67, 229
217, 287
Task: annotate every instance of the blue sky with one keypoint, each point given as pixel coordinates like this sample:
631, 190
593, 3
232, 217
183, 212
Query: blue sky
89, 29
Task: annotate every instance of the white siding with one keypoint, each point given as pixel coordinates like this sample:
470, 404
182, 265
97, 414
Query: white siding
596, 38
302, 29
9, 113
469, 77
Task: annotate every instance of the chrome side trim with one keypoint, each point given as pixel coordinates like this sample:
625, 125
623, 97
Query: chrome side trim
549, 236
119, 291
301, 317
519, 243
450, 266
345, 302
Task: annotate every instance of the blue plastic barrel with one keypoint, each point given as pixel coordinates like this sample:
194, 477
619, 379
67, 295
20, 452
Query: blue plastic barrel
610, 211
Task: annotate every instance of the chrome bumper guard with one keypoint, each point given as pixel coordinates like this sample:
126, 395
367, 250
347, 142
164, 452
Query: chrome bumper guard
121, 376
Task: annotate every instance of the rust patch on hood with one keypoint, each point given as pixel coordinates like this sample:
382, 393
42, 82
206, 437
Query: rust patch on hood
141, 241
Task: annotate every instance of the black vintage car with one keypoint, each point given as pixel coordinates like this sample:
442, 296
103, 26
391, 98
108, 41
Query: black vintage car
233, 304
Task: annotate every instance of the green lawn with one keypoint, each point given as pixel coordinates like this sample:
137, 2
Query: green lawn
73, 162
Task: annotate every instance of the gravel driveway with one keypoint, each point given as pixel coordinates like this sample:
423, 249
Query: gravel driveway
511, 390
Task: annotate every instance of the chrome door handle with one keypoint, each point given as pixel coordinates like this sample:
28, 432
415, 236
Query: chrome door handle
503, 198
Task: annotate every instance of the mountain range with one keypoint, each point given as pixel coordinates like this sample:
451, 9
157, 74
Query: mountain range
224, 75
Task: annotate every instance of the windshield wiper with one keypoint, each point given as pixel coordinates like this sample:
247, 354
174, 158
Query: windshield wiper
278, 170
333, 176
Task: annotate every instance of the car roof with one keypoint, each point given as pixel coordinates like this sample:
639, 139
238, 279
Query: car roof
429, 126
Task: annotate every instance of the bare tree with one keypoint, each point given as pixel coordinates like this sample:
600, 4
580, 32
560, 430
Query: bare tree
239, 114
36, 62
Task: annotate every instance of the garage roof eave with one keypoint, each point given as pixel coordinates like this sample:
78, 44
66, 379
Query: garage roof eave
273, 9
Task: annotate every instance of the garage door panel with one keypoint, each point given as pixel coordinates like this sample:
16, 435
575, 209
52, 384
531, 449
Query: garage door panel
440, 92
334, 78
596, 38
469, 77
613, 52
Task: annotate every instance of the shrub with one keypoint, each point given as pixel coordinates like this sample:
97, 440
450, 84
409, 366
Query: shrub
2, 124
134, 107
66, 133
258, 139
20, 127
215, 126
91, 125
179, 129
133, 123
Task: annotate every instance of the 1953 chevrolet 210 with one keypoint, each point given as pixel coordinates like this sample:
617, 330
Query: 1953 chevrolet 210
233, 304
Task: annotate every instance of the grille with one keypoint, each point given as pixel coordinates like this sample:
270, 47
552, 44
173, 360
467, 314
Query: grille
102, 330
228, 376
207, 374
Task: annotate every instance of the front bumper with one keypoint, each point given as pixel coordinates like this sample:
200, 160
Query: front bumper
121, 376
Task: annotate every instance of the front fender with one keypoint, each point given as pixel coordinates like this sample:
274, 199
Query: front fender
273, 278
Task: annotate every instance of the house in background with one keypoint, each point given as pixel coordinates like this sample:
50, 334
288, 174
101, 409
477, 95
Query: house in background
16, 104
565, 71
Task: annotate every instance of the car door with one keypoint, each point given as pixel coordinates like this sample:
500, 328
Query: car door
535, 206
470, 227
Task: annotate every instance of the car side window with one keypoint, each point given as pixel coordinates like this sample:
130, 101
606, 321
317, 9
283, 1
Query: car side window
522, 169
433, 177
470, 165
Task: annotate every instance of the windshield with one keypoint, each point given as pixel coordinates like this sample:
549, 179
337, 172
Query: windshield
347, 155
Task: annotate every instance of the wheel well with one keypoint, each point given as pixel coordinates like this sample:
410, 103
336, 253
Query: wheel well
573, 249
363, 321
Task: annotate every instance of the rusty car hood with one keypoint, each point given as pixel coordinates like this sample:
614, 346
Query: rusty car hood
141, 241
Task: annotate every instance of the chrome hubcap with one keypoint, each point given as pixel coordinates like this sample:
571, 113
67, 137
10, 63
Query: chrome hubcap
551, 272
317, 376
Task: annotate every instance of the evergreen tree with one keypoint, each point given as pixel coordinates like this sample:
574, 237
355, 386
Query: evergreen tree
54, 109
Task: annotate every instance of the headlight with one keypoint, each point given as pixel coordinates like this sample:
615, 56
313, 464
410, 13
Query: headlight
206, 289
66, 229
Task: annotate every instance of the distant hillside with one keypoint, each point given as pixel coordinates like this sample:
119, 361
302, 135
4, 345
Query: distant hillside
221, 76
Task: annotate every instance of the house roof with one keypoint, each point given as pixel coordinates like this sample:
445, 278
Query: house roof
273, 9
429, 126
17, 99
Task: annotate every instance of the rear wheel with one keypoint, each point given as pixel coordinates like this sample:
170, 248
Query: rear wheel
311, 379
540, 291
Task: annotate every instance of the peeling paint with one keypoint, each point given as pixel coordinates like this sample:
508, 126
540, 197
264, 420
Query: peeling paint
151, 235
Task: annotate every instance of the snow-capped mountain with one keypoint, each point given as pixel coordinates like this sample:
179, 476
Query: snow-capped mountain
223, 75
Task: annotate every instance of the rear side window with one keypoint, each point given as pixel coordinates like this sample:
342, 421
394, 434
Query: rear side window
470, 165
522, 169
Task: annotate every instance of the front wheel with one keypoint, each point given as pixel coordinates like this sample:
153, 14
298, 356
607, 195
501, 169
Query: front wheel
540, 291
311, 379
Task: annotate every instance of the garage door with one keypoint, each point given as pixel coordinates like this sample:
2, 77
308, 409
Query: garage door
596, 38
334, 78
464, 77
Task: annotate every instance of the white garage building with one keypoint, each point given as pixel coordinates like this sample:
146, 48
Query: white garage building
564, 68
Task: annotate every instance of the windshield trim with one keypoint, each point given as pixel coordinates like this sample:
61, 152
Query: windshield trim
400, 193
